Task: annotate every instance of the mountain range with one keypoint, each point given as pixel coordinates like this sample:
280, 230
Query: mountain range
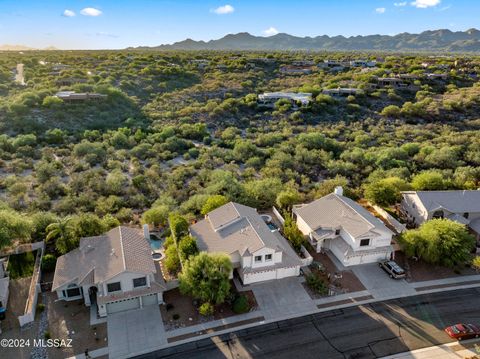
7, 47
434, 41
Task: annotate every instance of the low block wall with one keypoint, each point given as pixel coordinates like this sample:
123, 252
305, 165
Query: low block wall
31, 305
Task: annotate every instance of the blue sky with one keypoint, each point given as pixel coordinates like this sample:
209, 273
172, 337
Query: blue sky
110, 24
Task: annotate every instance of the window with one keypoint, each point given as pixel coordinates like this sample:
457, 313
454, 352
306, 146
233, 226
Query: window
258, 259
365, 242
114, 287
140, 282
465, 215
337, 232
72, 291
268, 257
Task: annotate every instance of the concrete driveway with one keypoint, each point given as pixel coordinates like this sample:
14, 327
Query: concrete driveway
379, 283
281, 297
135, 332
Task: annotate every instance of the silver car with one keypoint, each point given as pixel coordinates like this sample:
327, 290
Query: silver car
393, 269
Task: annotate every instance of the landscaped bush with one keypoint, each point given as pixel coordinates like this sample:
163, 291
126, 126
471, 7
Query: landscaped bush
206, 309
48, 263
316, 284
176, 316
241, 305
172, 261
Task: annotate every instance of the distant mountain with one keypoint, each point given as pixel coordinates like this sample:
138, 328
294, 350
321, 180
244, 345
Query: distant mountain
437, 40
7, 47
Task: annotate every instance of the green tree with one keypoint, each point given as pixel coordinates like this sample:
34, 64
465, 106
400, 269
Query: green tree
62, 233
429, 180
157, 216
292, 233
213, 202
439, 241
40, 222
287, 198
187, 247
206, 277
386, 191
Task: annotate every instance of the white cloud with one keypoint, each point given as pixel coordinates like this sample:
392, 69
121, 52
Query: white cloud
90, 11
270, 31
423, 4
68, 13
380, 10
400, 4
222, 10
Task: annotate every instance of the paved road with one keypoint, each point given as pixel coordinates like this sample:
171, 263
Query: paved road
368, 331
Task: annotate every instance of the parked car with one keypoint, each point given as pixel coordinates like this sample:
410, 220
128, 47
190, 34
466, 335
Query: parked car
393, 269
463, 331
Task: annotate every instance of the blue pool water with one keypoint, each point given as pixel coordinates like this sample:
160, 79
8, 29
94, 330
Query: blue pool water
272, 226
156, 244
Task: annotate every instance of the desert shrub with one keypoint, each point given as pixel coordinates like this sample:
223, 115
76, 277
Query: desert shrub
48, 262
241, 305
206, 309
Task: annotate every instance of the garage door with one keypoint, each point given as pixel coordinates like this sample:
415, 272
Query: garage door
123, 305
149, 300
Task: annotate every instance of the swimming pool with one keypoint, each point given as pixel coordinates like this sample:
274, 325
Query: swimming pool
156, 243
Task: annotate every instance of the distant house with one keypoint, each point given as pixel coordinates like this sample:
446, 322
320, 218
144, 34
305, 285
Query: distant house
72, 96
333, 65
432, 76
257, 252
391, 81
363, 63
342, 226
114, 271
268, 99
4, 283
295, 70
342, 92
460, 206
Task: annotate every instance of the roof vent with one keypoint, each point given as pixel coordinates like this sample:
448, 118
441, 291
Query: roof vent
338, 191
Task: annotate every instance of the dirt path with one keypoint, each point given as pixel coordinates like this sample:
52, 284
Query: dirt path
19, 78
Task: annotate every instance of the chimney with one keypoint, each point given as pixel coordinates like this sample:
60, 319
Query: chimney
146, 231
338, 191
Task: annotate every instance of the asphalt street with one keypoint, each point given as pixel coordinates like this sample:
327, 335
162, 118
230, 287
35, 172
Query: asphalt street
367, 331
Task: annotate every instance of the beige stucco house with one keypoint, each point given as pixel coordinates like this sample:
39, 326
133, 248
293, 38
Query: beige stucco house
114, 271
258, 253
342, 226
461, 206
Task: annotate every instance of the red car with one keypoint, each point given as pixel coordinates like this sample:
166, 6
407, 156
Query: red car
463, 331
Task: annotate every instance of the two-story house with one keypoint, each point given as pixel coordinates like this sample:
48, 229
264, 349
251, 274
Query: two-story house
257, 252
460, 206
348, 230
114, 271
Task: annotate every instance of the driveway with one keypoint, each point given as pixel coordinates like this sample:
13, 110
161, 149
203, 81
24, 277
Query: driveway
135, 332
282, 297
378, 282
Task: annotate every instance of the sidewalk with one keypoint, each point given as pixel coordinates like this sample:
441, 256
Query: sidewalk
375, 294
468, 349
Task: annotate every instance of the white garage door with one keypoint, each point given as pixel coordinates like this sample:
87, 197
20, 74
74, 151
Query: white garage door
149, 300
123, 305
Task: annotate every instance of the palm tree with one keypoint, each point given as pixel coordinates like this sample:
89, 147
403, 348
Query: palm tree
62, 233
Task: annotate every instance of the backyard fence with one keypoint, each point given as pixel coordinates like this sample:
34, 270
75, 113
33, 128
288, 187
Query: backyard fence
31, 305
307, 258
399, 227
278, 215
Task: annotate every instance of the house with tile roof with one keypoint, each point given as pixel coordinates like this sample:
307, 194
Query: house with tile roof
461, 206
337, 224
257, 252
114, 271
